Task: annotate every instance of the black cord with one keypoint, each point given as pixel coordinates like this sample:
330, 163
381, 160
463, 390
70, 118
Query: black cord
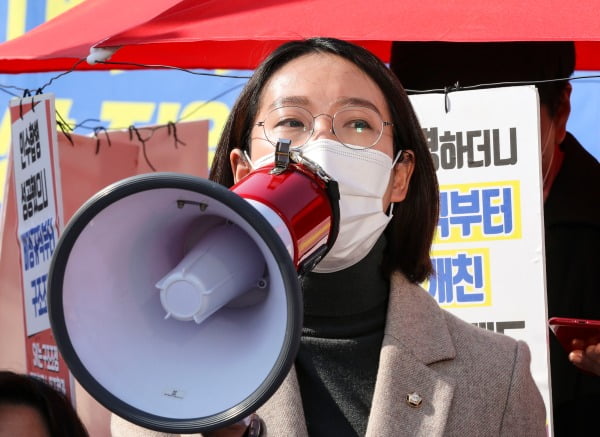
170, 67
457, 87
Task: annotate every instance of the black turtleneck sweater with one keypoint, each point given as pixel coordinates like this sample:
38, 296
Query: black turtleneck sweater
344, 319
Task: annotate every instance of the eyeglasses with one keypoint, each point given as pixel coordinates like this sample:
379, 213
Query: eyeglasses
355, 127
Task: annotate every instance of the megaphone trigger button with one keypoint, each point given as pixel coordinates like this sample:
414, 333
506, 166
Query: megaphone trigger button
181, 203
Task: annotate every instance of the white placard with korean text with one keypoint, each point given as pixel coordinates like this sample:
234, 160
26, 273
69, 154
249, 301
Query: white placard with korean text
489, 247
39, 208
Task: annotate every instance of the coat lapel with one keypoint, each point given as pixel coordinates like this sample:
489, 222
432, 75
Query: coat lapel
416, 336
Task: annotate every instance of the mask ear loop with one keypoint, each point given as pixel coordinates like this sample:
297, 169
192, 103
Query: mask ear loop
399, 158
248, 160
390, 213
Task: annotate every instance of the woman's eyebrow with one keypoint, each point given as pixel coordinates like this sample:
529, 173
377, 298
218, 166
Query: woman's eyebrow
357, 101
341, 102
289, 101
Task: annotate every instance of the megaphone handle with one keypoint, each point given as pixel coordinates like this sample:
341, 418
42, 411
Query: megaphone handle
312, 260
282, 156
333, 193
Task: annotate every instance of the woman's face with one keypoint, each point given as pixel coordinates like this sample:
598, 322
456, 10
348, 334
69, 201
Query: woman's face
322, 84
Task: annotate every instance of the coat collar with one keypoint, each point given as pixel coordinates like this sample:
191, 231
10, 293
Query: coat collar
417, 323
416, 338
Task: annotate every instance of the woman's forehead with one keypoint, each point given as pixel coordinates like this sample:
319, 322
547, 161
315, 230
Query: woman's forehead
321, 82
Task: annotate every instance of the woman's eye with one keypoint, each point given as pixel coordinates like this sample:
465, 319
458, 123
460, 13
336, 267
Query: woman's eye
290, 123
358, 125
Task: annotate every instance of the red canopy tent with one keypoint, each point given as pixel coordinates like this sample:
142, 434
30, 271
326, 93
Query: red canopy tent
239, 33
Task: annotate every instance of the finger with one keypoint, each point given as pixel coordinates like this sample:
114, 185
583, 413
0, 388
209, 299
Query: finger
587, 362
593, 351
576, 357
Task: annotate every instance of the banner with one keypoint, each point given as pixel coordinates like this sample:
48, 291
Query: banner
488, 253
39, 220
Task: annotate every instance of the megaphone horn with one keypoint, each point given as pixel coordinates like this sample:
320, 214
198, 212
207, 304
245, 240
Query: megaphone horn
175, 301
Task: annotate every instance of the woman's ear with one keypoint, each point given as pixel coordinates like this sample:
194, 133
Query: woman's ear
403, 171
239, 165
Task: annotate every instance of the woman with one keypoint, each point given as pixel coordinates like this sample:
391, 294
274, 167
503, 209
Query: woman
378, 356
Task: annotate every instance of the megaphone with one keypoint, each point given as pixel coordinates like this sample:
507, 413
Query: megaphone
175, 301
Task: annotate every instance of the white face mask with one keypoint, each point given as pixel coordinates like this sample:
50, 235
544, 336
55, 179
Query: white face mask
363, 177
269, 158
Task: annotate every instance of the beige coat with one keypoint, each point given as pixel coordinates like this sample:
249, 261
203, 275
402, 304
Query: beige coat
472, 382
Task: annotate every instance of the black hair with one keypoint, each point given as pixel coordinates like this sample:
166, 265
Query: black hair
60, 417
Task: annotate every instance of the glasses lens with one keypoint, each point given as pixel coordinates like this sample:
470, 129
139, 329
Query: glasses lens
289, 122
358, 128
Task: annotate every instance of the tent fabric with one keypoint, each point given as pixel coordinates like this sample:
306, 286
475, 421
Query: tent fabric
239, 33
58, 43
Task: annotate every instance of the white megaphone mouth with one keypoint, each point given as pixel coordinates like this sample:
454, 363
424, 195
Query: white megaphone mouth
167, 284
202, 283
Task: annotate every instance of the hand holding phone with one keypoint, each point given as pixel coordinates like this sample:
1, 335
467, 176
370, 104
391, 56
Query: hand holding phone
581, 339
575, 334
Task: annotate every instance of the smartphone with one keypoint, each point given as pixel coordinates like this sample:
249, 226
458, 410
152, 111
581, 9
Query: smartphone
575, 333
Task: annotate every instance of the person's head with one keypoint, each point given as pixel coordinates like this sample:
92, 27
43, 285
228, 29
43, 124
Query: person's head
29, 406
324, 76
437, 65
